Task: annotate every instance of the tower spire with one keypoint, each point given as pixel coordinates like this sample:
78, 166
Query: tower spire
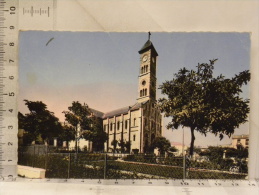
147, 73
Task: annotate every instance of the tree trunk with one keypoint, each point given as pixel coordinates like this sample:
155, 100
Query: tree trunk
67, 145
76, 141
192, 141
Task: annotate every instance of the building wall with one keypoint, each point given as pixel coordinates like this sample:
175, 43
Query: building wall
240, 139
152, 123
135, 129
83, 144
124, 127
143, 125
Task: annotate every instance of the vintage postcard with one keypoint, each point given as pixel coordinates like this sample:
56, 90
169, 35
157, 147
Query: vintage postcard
153, 105
151, 96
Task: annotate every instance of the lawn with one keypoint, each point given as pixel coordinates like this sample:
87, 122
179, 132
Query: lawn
92, 166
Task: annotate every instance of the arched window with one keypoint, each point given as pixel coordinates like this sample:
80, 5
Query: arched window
118, 125
111, 126
134, 137
126, 124
134, 122
145, 91
141, 93
142, 70
146, 68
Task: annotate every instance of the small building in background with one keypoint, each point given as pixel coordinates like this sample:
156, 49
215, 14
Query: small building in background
240, 139
180, 147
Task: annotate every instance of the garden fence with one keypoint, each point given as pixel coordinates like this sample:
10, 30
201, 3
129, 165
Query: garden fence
60, 163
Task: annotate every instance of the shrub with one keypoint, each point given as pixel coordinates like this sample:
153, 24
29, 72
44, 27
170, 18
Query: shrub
135, 151
225, 164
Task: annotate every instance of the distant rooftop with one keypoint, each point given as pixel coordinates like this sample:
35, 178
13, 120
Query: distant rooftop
240, 136
176, 144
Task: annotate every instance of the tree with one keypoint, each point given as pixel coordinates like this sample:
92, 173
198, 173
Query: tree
26, 137
242, 152
21, 120
127, 146
96, 134
67, 134
78, 116
214, 153
173, 149
40, 122
122, 145
114, 144
203, 103
195, 149
162, 144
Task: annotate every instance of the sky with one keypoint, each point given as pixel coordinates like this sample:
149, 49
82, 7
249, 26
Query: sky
101, 69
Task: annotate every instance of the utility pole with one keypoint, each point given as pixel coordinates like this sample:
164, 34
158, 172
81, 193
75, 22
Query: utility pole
183, 152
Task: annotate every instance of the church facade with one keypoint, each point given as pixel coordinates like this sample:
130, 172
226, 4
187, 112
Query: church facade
140, 123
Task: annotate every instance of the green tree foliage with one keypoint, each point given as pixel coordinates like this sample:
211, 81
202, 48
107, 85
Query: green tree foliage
85, 125
26, 137
78, 116
195, 149
96, 134
67, 134
21, 120
122, 146
214, 153
173, 149
162, 144
127, 146
39, 122
203, 103
114, 143
238, 153
242, 151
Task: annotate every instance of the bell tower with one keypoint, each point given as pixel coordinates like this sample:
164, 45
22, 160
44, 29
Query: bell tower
147, 73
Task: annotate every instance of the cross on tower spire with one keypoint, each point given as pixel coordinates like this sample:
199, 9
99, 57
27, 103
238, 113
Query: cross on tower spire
149, 34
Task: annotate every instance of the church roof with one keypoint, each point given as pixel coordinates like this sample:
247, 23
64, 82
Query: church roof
116, 112
135, 106
148, 45
97, 113
123, 110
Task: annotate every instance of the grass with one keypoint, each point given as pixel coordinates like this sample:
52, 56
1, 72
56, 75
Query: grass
171, 171
91, 166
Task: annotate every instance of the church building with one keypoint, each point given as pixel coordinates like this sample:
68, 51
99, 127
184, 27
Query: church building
139, 123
